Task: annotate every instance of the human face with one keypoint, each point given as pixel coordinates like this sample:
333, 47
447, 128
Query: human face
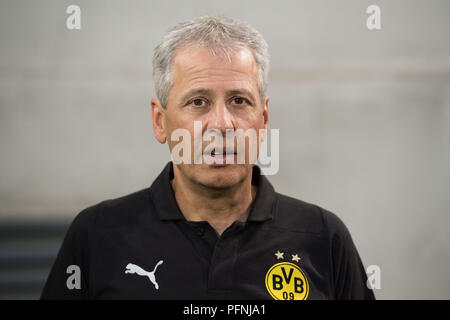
223, 95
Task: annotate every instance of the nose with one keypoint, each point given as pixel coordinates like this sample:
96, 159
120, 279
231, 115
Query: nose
221, 118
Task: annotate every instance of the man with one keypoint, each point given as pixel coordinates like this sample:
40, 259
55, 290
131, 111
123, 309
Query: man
210, 226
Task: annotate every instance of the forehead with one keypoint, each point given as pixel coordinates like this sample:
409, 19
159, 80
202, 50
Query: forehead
197, 65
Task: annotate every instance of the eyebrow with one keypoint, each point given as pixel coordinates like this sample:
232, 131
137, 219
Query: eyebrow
205, 91
195, 92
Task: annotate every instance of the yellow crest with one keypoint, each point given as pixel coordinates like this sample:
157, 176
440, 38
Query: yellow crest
286, 281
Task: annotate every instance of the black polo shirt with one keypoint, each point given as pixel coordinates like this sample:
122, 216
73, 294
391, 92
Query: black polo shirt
140, 246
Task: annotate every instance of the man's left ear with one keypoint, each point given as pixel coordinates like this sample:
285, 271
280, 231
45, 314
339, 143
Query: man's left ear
266, 118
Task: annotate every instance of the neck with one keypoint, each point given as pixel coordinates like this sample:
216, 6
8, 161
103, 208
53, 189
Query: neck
220, 208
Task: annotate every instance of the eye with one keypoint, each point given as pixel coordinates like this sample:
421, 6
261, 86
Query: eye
198, 102
239, 100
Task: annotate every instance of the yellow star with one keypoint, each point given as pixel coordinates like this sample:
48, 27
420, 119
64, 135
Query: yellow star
280, 255
295, 257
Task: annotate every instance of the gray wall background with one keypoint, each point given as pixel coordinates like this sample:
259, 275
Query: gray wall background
364, 116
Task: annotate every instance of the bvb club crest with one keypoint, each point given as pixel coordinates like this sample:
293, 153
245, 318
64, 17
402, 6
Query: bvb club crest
286, 281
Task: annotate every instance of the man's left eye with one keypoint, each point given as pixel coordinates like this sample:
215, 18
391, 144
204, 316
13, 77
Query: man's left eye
239, 100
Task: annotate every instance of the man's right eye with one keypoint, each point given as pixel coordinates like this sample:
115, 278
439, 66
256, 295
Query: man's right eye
198, 102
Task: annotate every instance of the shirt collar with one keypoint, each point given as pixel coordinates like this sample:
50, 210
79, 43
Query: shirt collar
163, 198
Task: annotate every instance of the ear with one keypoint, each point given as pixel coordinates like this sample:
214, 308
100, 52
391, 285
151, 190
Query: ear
265, 116
158, 114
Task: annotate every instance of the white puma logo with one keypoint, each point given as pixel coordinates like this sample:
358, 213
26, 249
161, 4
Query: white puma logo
132, 268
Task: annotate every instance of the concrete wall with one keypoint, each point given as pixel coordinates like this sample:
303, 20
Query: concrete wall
364, 116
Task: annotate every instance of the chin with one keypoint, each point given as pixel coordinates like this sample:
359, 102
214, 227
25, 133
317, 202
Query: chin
221, 177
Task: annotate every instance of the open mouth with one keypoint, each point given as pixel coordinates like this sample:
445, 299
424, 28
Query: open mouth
218, 157
215, 153
219, 151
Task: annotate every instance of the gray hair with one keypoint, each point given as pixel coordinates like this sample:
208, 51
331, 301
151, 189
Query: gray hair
210, 32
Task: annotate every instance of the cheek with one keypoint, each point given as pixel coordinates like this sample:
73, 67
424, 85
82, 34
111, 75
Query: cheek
252, 118
174, 121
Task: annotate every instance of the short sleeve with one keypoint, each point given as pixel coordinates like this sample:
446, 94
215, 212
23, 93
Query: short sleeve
349, 279
68, 278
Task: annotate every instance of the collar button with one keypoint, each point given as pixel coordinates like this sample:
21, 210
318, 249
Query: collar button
200, 232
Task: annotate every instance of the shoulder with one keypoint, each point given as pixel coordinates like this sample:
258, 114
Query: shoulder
301, 216
115, 211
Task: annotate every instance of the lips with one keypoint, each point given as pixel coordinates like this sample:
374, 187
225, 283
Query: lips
219, 157
217, 152
222, 153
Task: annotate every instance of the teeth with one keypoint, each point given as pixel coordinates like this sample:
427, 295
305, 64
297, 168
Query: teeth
221, 153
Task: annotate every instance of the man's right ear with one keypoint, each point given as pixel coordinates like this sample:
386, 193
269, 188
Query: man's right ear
158, 114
